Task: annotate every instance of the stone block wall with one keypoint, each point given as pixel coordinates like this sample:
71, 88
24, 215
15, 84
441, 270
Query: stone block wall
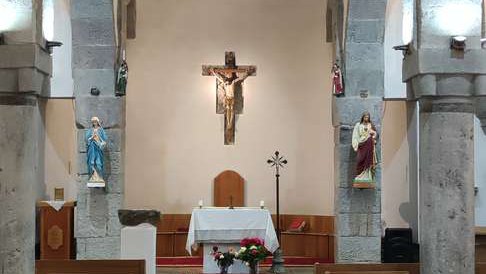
358, 212
94, 51
25, 68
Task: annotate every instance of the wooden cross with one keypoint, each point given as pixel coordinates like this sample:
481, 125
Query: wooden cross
229, 91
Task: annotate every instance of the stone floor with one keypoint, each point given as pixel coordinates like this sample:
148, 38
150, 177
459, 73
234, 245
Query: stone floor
197, 270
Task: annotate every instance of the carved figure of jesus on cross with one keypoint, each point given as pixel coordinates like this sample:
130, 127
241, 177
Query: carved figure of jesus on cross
229, 92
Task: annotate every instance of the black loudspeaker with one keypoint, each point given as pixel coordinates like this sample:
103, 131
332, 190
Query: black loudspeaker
398, 246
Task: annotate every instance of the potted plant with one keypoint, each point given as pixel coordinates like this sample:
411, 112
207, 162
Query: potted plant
223, 259
252, 251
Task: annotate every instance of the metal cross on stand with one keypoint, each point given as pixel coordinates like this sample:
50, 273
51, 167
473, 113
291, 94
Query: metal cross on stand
229, 91
278, 162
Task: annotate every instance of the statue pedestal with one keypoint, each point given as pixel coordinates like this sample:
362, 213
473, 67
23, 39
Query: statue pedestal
364, 185
138, 242
96, 184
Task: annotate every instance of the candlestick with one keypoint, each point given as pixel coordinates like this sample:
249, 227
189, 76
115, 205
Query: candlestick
200, 203
262, 204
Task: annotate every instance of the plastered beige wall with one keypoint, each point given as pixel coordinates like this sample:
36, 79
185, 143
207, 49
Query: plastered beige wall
174, 142
395, 165
174, 138
59, 148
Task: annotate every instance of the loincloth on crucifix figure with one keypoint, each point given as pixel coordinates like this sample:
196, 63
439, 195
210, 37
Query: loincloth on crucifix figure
229, 80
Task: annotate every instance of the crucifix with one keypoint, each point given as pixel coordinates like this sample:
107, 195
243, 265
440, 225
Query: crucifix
229, 91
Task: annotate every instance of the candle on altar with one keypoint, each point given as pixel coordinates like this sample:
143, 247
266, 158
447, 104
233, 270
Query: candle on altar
262, 204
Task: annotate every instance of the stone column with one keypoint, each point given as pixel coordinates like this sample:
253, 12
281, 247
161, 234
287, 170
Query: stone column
94, 50
445, 81
358, 211
447, 185
25, 68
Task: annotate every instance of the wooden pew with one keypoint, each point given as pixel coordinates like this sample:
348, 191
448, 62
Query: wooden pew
366, 268
378, 268
90, 266
366, 272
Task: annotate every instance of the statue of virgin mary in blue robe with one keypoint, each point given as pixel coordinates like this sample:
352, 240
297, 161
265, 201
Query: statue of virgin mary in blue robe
95, 144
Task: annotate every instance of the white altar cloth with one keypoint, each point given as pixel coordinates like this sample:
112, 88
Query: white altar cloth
225, 228
224, 225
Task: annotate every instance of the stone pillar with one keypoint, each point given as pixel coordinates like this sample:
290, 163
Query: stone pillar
445, 81
447, 185
25, 68
94, 49
358, 212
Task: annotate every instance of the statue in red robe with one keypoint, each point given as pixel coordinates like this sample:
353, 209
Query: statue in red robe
337, 80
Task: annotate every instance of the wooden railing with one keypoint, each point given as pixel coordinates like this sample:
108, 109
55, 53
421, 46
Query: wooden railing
90, 266
317, 240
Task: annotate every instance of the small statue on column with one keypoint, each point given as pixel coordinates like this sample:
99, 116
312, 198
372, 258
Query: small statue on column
122, 78
364, 141
337, 80
95, 145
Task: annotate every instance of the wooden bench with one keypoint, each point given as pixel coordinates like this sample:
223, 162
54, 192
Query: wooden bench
378, 268
367, 272
367, 268
90, 266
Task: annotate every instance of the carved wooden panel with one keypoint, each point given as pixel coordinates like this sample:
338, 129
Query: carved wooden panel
229, 189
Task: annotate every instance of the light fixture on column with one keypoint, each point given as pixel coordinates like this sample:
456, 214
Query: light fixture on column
51, 44
483, 43
404, 48
458, 42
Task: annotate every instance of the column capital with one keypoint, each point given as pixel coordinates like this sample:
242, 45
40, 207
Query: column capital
433, 72
447, 104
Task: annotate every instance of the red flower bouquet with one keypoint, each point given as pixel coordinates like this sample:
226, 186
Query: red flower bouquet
252, 251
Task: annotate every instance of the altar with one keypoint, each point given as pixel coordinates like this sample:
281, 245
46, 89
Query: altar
225, 228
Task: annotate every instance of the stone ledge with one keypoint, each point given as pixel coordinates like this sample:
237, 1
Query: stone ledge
132, 217
25, 56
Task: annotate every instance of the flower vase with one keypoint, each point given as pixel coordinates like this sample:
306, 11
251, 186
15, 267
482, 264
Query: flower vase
253, 267
224, 269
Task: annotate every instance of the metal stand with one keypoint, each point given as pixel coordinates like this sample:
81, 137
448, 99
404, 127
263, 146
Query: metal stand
278, 260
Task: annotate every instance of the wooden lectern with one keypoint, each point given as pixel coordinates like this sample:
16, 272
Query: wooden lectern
57, 232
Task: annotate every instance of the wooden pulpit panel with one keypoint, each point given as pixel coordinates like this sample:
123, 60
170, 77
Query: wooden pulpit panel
57, 232
229, 189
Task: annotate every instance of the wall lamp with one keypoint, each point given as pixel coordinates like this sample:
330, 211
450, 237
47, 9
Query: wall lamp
458, 42
404, 48
52, 44
483, 43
